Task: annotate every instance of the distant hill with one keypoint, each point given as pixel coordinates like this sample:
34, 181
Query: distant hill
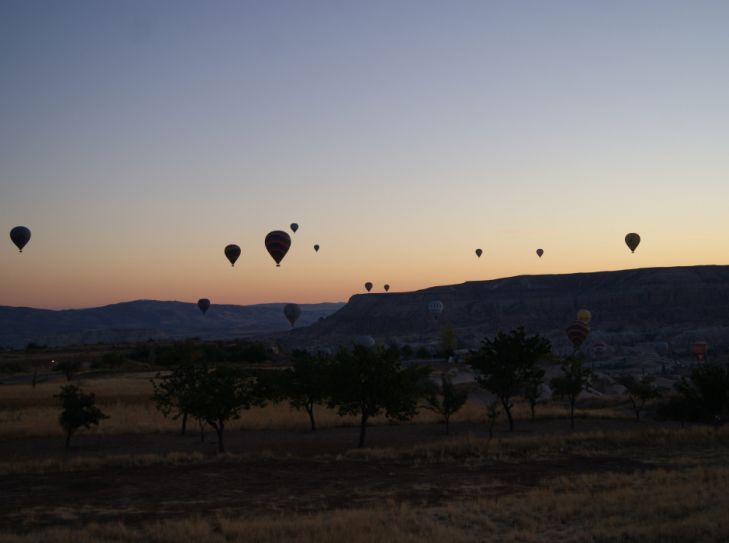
676, 304
144, 319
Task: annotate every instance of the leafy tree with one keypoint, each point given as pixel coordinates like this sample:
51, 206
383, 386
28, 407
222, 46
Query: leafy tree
68, 367
175, 392
221, 394
367, 382
639, 392
707, 392
448, 341
574, 379
447, 401
533, 387
306, 383
504, 364
78, 411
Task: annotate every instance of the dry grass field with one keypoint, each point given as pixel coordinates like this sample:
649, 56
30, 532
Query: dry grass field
136, 480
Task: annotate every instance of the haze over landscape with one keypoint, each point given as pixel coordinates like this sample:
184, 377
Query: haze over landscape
332, 271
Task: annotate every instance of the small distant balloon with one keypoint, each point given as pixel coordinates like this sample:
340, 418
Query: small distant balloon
278, 243
577, 333
387, 288
368, 286
20, 236
292, 312
479, 252
540, 252
232, 252
435, 308
294, 227
584, 315
316, 247
699, 350
632, 240
203, 304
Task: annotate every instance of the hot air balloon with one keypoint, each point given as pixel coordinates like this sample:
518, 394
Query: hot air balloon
387, 288
368, 286
203, 304
632, 240
292, 312
435, 308
479, 252
599, 349
364, 341
277, 245
577, 333
232, 252
20, 236
699, 350
540, 252
584, 315
316, 248
294, 227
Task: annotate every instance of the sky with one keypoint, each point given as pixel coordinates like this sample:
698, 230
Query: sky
139, 138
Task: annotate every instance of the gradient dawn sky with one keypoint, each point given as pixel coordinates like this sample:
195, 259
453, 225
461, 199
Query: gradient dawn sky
138, 138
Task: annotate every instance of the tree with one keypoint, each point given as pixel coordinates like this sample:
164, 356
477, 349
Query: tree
639, 392
370, 381
448, 341
533, 387
706, 392
447, 401
306, 383
175, 392
220, 394
492, 413
571, 383
68, 367
78, 411
504, 364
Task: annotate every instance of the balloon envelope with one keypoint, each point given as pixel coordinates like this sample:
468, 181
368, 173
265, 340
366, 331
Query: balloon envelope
577, 333
316, 248
435, 308
387, 288
632, 240
203, 304
540, 252
20, 236
294, 227
368, 286
479, 252
292, 312
278, 243
584, 315
232, 252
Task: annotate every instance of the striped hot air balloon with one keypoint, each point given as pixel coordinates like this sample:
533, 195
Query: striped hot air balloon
278, 243
435, 308
577, 333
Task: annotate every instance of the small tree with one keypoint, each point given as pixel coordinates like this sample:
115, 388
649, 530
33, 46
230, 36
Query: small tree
639, 392
533, 387
367, 382
78, 411
706, 392
175, 392
68, 367
503, 364
447, 401
571, 383
306, 383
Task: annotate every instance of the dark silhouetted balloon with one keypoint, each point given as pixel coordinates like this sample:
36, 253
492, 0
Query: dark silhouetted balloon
278, 244
540, 252
435, 308
294, 227
387, 288
316, 248
232, 252
20, 236
699, 350
577, 333
203, 304
292, 312
479, 252
368, 286
632, 240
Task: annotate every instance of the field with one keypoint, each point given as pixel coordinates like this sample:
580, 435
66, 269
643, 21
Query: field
137, 479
